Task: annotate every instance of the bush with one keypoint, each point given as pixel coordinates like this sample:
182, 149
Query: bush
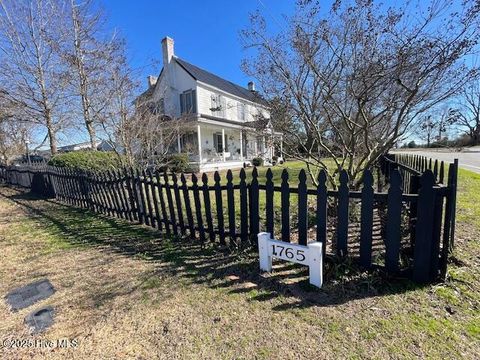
257, 161
176, 163
88, 160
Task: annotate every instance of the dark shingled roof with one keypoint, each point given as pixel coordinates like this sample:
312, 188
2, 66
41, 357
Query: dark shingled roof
222, 84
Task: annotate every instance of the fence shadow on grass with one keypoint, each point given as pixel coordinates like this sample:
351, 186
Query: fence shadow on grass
234, 271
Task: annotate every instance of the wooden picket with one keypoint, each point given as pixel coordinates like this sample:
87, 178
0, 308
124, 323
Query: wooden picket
285, 198
366, 214
342, 217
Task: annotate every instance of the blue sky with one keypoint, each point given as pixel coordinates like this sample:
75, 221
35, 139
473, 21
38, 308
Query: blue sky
206, 32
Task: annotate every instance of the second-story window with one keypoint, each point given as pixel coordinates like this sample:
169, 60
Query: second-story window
161, 107
218, 105
188, 102
241, 112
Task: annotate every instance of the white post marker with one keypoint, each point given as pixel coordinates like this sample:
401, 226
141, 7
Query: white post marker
310, 255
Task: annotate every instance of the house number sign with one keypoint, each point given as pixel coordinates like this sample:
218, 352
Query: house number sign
310, 255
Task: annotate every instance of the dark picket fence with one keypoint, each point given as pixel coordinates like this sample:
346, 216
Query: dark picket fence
395, 230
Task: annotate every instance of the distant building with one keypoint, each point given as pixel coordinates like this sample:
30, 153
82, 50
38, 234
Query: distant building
102, 145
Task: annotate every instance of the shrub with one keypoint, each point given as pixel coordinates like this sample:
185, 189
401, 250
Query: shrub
257, 161
88, 160
177, 163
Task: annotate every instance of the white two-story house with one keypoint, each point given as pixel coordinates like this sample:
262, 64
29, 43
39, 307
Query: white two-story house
223, 125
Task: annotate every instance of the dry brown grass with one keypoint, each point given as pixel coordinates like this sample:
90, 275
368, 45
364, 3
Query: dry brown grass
124, 292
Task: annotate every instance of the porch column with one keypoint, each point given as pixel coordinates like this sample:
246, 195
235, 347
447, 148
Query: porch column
264, 152
161, 141
281, 146
199, 135
241, 145
179, 144
223, 144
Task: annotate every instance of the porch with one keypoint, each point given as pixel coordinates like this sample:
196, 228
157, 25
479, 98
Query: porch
214, 146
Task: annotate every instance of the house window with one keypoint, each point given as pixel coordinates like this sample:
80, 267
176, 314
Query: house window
241, 112
161, 106
188, 102
260, 147
218, 143
218, 105
189, 142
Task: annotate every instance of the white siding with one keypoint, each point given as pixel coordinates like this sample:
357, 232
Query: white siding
175, 80
171, 84
204, 96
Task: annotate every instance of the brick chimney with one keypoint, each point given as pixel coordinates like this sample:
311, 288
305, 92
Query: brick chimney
152, 80
167, 50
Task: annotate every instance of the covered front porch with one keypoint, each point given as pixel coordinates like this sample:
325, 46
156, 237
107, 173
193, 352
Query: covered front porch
218, 146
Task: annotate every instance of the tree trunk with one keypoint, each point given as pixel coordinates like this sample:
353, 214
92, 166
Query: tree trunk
51, 133
92, 134
82, 77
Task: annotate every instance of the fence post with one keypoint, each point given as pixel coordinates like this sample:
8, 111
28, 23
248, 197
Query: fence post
155, 201
302, 208
322, 210
231, 207
394, 218
454, 202
436, 234
138, 207
119, 181
424, 233
412, 216
198, 208
366, 220
254, 207
243, 207
442, 172
131, 196
342, 221
188, 207
171, 209
149, 218
178, 202
208, 207
269, 193
219, 208
115, 194
285, 198
160, 188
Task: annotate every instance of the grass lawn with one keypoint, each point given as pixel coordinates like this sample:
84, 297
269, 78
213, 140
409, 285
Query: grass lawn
293, 168
125, 292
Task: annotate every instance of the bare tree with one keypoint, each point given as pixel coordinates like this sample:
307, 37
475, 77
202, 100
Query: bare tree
13, 133
433, 126
135, 125
467, 114
32, 73
355, 79
89, 52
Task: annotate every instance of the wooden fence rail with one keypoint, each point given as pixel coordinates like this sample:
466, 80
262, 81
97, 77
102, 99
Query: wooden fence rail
412, 241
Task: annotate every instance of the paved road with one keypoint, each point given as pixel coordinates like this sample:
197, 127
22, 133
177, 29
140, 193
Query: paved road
468, 159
